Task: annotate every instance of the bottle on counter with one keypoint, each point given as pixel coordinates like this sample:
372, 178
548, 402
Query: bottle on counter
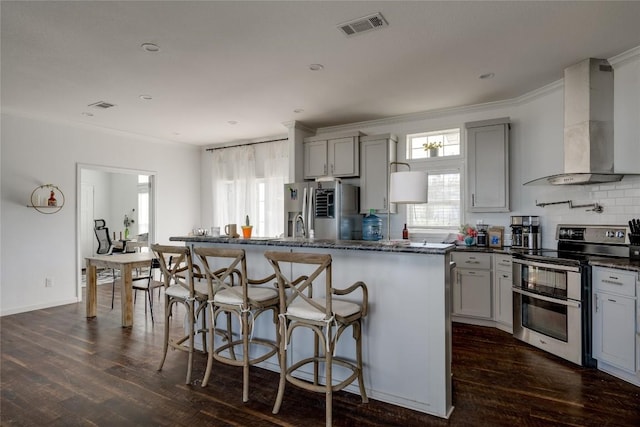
405, 233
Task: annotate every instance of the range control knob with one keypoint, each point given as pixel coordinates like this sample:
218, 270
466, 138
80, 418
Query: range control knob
609, 234
620, 234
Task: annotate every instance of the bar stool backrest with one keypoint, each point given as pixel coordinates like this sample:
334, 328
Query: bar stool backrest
232, 274
291, 288
179, 270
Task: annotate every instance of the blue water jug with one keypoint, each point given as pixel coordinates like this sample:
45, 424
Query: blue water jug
371, 227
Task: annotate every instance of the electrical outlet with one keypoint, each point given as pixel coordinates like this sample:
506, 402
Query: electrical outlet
48, 282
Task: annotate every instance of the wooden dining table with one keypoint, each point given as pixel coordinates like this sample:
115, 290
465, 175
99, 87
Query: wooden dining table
126, 263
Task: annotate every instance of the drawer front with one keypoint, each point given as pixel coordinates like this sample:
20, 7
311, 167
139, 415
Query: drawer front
619, 282
475, 260
502, 262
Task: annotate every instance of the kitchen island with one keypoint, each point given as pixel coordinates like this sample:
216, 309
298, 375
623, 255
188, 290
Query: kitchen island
407, 332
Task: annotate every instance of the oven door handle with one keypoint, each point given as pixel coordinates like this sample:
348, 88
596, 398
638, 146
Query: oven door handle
546, 265
568, 303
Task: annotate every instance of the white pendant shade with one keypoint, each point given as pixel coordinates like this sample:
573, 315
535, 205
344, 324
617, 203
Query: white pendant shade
409, 187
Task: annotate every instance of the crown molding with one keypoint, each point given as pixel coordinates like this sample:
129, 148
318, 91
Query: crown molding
625, 57
433, 114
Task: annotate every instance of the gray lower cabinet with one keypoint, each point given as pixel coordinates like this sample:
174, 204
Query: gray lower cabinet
472, 293
503, 294
614, 318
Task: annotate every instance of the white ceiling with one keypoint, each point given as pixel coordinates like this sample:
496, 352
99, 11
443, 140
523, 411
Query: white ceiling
248, 62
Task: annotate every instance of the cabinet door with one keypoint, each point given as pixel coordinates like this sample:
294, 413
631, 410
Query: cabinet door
472, 293
503, 301
614, 330
343, 156
315, 159
488, 170
374, 164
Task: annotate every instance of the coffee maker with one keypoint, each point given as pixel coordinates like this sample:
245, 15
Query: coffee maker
525, 232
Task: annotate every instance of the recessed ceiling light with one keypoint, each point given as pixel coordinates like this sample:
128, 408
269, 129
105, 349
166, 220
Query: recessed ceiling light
87, 114
316, 67
150, 47
298, 110
232, 122
487, 76
146, 97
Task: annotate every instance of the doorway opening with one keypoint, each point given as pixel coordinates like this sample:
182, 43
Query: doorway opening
123, 198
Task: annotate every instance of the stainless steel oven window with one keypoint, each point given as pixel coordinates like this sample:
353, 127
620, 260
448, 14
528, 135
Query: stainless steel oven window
545, 317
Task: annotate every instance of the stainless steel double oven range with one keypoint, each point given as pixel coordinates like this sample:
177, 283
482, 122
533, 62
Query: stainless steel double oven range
552, 289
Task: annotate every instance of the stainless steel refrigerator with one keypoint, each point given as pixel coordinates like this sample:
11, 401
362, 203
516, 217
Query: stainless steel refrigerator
329, 208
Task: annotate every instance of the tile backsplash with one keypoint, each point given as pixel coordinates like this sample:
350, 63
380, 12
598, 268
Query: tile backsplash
620, 202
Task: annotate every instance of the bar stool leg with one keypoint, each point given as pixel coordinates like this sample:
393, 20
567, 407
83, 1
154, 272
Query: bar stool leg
357, 333
283, 365
165, 345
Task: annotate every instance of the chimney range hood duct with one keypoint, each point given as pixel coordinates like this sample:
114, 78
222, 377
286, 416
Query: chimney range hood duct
588, 126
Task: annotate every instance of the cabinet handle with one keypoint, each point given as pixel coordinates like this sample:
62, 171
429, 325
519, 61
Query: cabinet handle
597, 305
472, 262
612, 282
473, 200
505, 276
612, 300
325, 168
384, 202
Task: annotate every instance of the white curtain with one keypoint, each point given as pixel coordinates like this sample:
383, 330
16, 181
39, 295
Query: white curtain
249, 180
276, 171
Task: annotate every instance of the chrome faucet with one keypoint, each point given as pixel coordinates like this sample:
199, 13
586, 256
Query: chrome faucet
295, 226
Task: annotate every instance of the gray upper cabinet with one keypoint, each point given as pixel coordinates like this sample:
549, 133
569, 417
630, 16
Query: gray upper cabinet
376, 152
332, 156
488, 165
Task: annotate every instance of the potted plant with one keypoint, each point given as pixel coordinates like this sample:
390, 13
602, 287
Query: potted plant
247, 228
432, 148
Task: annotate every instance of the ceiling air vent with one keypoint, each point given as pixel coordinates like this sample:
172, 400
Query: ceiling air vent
364, 24
101, 105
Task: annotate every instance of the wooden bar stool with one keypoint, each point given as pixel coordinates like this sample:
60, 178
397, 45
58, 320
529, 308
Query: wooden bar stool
182, 285
233, 294
326, 316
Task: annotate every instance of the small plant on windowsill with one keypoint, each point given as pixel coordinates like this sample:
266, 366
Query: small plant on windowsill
247, 228
432, 148
432, 145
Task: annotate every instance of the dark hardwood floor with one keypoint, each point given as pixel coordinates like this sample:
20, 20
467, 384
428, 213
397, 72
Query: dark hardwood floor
60, 369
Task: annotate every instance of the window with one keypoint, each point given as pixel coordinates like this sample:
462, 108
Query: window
443, 212
249, 180
143, 204
445, 143
443, 209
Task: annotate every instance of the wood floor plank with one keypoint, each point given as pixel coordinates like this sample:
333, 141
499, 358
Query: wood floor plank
58, 368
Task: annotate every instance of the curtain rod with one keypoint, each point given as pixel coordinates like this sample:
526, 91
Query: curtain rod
249, 143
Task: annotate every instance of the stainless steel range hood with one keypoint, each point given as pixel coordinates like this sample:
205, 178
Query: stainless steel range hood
588, 126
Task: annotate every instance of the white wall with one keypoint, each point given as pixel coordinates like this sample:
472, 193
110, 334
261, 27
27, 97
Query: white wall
36, 246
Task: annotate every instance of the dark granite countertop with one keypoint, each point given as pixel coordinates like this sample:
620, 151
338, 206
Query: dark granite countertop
621, 263
361, 245
502, 250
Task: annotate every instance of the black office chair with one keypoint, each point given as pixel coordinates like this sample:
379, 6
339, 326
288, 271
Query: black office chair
105, 247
